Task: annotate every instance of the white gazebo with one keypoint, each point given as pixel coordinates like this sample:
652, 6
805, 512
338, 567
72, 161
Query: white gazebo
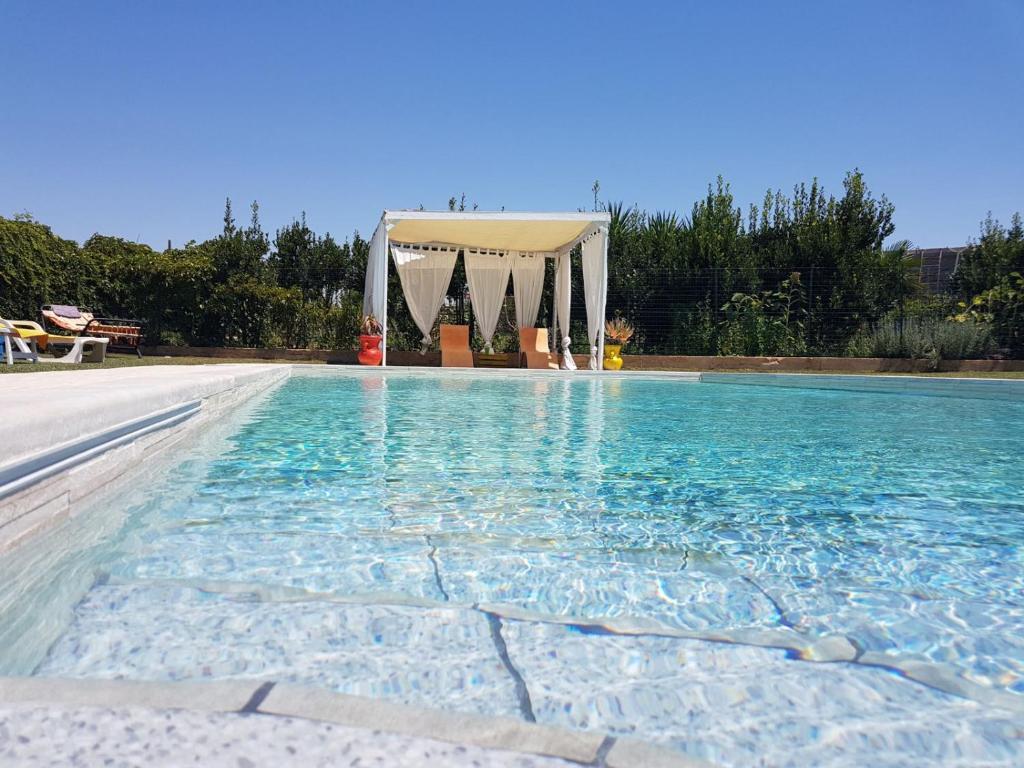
495, 246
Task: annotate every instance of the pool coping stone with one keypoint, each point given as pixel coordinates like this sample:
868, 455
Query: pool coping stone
213, 696
951, 386
112, 423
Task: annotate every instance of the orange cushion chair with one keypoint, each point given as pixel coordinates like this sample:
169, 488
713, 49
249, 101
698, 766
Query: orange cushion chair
455, 351
533, 349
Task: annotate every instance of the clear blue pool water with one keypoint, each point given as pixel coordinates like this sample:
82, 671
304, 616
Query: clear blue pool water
741, 572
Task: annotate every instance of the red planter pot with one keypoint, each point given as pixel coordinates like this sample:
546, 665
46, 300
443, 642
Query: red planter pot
369, 350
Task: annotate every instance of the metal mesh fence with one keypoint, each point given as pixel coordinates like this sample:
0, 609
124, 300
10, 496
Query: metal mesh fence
719, 312
715, 311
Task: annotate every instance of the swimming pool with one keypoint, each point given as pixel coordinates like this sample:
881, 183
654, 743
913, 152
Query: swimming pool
798, 576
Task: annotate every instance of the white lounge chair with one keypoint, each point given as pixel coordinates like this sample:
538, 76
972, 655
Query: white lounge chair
19, 343
23, 340
85, 349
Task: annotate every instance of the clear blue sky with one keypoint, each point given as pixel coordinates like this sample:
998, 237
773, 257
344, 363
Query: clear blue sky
138, 118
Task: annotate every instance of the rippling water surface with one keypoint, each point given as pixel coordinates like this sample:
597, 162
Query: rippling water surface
576, 552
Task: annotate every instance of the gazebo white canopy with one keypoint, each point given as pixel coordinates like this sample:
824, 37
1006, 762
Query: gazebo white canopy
425, 244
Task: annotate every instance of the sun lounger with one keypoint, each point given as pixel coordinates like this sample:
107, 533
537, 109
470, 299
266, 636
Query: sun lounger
85, 349
533, 349
21, 343
455, 351
24, 339
82, 349
122, 334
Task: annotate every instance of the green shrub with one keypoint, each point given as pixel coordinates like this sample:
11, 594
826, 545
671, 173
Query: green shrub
37, 267
694, 332
228, 291
1003, 307
172, 339
766, 323
922, 339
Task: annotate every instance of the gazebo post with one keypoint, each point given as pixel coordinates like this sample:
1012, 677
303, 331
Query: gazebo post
384, 320
604, 302
553, 340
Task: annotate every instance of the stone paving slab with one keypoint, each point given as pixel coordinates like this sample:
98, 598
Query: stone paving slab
433, 657
742, 705
492, 732
221, 696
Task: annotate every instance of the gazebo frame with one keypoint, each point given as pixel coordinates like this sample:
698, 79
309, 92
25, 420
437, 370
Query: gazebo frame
552, 234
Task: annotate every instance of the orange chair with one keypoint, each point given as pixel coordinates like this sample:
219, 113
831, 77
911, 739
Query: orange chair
533, 349
455, 351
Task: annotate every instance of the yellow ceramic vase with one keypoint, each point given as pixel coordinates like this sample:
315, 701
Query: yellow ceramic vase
612, 361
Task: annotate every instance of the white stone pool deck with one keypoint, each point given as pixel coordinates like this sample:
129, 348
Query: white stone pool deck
268, 719
67, 435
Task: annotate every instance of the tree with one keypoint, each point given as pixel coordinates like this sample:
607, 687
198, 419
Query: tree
998, 252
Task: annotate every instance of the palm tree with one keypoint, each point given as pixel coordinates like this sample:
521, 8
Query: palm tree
902, 269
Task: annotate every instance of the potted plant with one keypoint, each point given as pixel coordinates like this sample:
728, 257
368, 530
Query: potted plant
619, 331
370, 334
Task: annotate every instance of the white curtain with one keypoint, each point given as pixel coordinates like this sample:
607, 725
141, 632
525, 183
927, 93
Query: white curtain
375, 289
487, 275
593, 288
528, 285
563, 300
425, 273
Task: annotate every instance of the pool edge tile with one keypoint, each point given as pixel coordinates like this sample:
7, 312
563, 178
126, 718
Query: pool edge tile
455, 727
213, 696
633, 753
